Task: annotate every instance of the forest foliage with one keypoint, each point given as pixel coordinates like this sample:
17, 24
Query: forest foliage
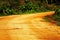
10, 7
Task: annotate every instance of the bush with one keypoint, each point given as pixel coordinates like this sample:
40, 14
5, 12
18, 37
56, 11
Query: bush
6, 10
56, 16
31, 7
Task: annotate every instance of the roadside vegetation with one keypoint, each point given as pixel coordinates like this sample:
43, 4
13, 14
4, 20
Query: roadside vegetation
12, 7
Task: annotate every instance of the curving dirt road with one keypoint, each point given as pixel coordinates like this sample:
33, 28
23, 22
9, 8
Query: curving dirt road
28, 27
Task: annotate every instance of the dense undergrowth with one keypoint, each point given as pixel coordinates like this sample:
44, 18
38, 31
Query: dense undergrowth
26, 8
55, 17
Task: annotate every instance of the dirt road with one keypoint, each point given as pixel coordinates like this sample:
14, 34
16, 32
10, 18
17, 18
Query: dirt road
28, 27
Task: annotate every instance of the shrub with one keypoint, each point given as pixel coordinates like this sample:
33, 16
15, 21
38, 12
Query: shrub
31, 7
56, 16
